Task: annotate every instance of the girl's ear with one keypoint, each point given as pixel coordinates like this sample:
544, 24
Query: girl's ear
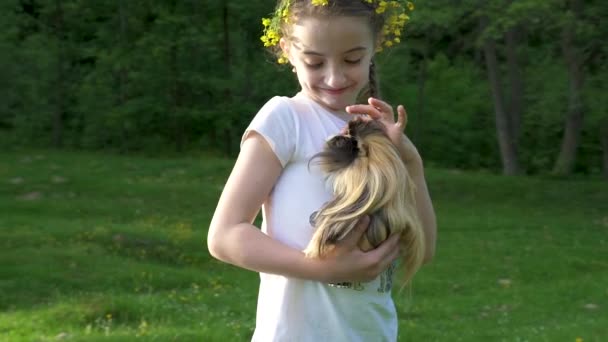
284, 44
377, 44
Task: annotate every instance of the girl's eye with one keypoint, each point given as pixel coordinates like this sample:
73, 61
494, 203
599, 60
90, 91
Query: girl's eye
314, 66
320, 64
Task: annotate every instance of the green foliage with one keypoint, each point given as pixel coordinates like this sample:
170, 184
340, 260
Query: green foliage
185, 75
544, 114
452, 124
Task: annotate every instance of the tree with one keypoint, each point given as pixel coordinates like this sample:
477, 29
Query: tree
574, 59
505, 122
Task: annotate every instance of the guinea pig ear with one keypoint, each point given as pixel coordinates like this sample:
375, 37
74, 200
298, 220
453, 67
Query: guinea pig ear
361, 128
355, 126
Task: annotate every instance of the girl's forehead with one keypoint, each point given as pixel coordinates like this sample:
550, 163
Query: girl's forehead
330, 35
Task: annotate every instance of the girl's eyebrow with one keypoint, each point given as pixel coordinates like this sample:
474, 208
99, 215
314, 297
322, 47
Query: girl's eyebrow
314, 53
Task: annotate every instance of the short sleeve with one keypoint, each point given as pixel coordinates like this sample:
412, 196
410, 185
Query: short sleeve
275, 122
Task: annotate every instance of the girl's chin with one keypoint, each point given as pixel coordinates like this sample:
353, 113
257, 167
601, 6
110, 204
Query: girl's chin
333, 102
336, 103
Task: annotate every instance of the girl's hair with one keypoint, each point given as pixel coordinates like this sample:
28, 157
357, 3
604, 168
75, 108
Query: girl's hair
300, 9
368, 178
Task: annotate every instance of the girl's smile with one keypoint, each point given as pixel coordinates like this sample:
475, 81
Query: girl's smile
335, 91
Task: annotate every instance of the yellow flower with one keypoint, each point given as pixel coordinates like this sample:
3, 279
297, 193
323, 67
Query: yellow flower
381, 7
320, 2
266, 22
410, 6
285, 15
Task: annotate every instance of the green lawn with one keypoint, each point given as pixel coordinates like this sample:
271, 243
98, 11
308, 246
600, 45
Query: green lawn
97, 247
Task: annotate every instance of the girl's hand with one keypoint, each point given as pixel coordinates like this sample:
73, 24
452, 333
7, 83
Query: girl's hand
383, 112
347, 262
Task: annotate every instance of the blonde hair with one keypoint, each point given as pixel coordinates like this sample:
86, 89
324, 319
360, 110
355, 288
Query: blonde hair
368, 178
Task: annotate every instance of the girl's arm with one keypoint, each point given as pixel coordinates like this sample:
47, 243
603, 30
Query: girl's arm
424, 205
233, 239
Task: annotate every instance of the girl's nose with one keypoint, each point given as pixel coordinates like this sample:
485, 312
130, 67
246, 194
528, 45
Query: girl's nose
336, 77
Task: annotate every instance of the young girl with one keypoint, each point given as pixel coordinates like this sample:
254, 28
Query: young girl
344, 296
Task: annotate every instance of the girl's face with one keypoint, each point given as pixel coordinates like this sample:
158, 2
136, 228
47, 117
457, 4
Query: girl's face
331, 57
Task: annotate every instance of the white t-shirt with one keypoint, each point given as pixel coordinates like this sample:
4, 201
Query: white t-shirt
301, 310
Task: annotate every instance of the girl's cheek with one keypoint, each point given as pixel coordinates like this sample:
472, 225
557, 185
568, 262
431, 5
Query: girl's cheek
362, 73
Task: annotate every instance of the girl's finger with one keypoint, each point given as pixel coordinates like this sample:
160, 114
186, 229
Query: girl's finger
393, 255
373, 112
383, 106
389, 249
401, 116
352, 239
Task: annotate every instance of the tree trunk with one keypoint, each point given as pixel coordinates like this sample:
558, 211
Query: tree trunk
229, 129
508, 151
60, 92
604, 142
574, 118
422, 74
177, 124
516, 85
122, 71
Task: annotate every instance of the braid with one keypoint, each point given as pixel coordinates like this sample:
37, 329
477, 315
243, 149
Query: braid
373, 80
372, 89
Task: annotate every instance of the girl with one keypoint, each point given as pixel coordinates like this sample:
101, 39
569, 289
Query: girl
344, 296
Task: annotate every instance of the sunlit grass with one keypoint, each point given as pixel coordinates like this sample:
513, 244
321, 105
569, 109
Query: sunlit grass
96, 247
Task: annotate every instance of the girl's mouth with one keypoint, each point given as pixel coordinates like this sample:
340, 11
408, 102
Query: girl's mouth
335, 91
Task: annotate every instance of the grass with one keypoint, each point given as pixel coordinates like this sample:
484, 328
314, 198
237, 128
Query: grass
97, 247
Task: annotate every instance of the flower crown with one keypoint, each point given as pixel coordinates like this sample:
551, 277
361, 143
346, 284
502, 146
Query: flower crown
396, 17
